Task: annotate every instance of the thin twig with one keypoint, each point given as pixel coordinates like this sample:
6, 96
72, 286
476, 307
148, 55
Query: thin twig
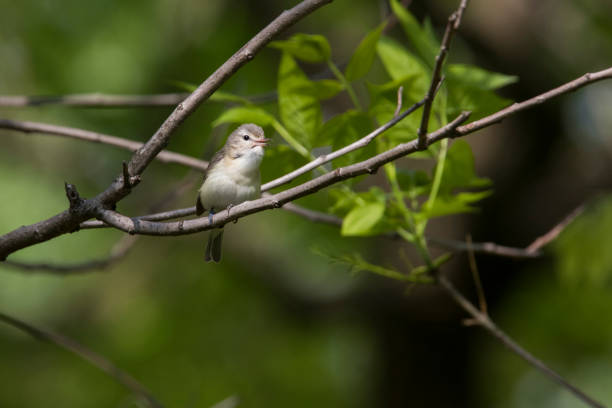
164, 156
92, 357
489, 248
554, 232
101, 100
364, 141
483, 320
118, 251
533, 250
452, 25
571, 86
95, 100
398, 108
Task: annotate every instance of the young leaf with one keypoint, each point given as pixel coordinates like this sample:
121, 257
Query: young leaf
306, 47
460, 171
345, 129
454, 204
382, 110
323, 89
300, 110
424, 43
478, 78
400, 63
243, 114
363, 57
357, 264
360, 221
470, 88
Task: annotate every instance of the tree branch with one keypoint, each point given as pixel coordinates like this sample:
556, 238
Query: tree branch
571, 86
554, 232
68, 221
364, 141
95, 100
273, 201
119, 250
93, 358
484, 321
164, 156
451, 26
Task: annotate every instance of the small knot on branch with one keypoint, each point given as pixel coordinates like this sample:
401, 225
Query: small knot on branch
128, 180
135, 227
73, 196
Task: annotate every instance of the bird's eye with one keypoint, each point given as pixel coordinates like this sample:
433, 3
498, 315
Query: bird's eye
246, 137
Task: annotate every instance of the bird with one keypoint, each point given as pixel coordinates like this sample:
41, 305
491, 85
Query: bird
232, 177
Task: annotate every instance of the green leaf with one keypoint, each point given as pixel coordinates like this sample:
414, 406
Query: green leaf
424, 43
243, 114
470, 88
453, 204
363, 57
382, 110
459, 169
360, 221
345, 129
306, 47
400, 64
323, 89
478, 78
300, 110
357, 264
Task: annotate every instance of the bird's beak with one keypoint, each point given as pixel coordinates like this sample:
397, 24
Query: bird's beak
261, 142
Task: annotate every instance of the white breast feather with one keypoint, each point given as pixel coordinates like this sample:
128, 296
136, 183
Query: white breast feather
232, 181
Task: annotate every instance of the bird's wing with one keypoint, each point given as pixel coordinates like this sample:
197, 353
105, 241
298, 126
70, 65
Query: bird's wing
213, 162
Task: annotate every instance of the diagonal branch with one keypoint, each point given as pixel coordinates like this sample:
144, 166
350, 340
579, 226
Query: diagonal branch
485, 322
119, 250
571, 86
554, 232
452, 25
92, 357
95, 100
68, 221
368, 166
164, 156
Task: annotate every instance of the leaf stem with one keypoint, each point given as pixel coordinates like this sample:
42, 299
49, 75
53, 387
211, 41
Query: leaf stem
297, 146
346, 84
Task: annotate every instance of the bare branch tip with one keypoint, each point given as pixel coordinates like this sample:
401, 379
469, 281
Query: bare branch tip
73, 195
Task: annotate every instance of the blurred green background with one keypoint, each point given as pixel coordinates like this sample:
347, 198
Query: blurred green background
274, 323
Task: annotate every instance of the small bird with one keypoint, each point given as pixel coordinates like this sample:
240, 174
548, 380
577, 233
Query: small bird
231, 178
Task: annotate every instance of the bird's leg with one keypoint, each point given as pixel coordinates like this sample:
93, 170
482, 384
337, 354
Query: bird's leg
229, 207
210, 216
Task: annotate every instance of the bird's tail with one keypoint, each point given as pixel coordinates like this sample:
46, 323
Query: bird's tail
213, 247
